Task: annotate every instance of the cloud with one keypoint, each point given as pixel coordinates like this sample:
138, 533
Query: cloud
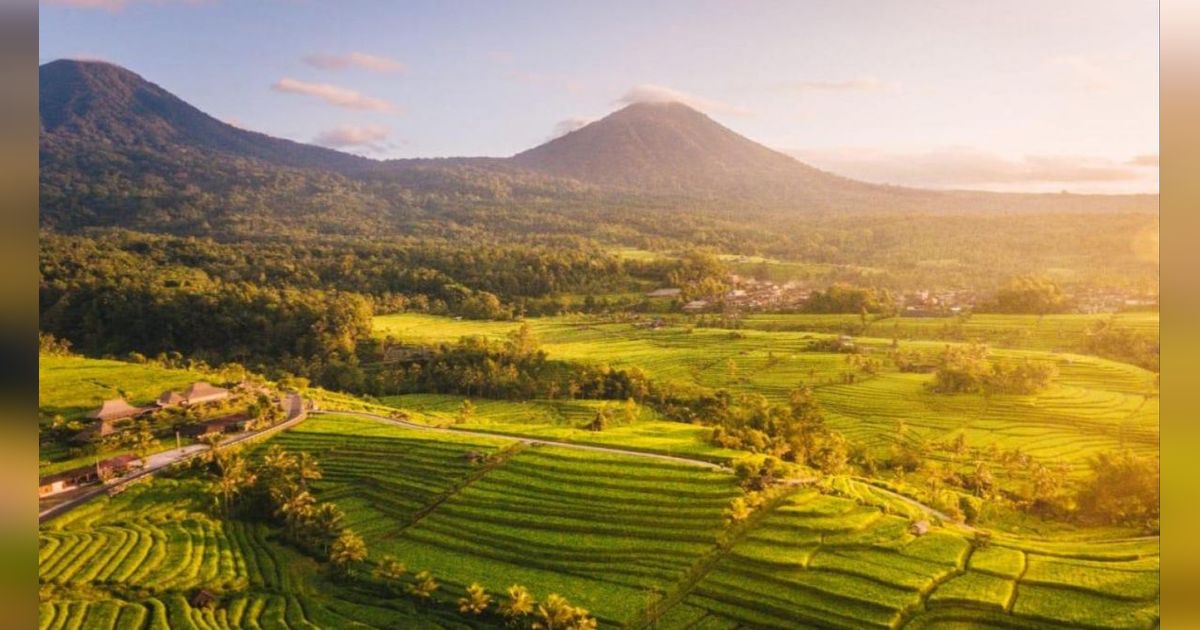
965, 167
866, 84
566, 126
373, 63
649, 93
1149, 159
1085, 73
334, 95
371, 137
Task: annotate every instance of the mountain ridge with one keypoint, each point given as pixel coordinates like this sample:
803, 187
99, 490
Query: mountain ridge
100, 121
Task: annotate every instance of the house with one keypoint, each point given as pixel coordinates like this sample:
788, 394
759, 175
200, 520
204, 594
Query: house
84, 475
94, 432
203, 392
225, 424
695, 305
919, 528
116, 409
169, 399
664, 293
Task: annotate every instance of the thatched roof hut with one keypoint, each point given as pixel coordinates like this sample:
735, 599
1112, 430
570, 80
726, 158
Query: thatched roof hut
115, 409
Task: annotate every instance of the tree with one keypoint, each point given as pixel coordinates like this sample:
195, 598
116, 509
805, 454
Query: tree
519, 603
1123, 488
466, 411
142, 440
347, 549
476, 600
1036, 295
423, 585
738, 510
390, 569
555, 613
235, 475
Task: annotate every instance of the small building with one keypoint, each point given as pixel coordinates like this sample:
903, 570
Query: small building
84, 475
169, 399
919, 528
664, 293
474, 457
695, 305
116, 409
225, 424
203, 392
94, 432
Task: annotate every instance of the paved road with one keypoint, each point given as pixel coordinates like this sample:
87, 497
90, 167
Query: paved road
158, 461
687, 461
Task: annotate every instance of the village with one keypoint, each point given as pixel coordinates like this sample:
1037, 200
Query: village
204, 415
749, 294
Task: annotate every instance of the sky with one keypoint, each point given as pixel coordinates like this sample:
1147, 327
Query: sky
1013, 95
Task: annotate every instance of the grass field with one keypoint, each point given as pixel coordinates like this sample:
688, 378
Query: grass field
565, 420
1093, 405
73, 386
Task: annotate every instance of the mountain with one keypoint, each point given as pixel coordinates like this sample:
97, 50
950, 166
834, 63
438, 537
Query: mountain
117, 150
102, 103
670, 148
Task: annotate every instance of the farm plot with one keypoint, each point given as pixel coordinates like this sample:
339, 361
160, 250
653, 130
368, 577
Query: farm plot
826, 561
566, 420
607, 532
382, 476
133, 561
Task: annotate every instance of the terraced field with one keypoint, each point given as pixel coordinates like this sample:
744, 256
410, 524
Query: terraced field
133, 561
565, 421
605, 531
619, 535
823, 561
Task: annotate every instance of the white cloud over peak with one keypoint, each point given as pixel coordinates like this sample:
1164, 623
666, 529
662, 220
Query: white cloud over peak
567, 125
650, 93
334, 95
365, 61
370, 137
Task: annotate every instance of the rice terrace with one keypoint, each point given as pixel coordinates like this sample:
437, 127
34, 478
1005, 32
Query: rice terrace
892, 363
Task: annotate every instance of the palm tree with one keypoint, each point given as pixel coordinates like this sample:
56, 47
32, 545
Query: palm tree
326, 520
295, 508
390, 570
476, 601
423, 585
519, 603
555, 613
306, 467
349, 547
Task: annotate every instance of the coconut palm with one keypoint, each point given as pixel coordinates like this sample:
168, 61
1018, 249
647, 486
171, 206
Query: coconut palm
423, 585
348, 548
476, 601
519, 603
